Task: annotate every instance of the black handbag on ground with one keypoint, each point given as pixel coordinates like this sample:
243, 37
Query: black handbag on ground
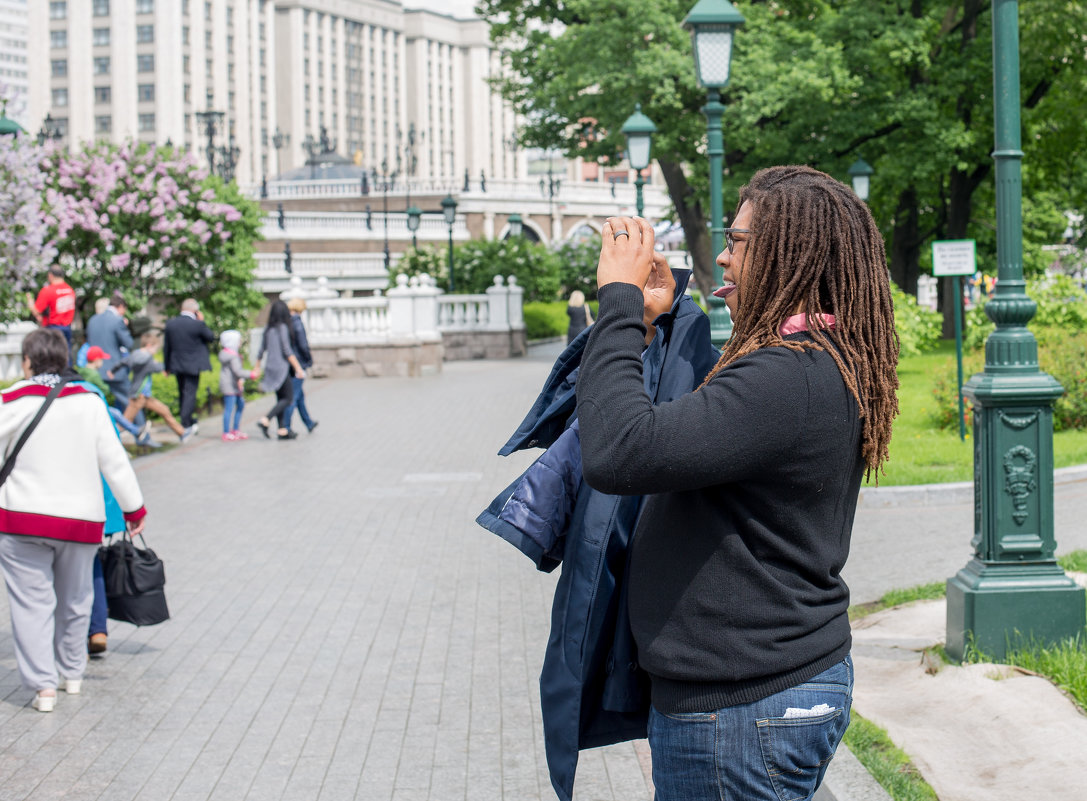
135, 579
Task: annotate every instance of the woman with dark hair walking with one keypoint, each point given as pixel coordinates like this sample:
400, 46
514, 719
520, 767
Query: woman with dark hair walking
52, 512
280, 364
736, 599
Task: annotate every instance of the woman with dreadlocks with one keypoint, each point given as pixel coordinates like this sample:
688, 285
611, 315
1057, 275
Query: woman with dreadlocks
737, 604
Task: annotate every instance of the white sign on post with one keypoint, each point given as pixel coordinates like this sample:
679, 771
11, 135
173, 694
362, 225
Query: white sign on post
954, 257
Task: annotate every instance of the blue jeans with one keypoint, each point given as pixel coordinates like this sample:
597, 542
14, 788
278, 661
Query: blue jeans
298, 402
99, 609
233, 405
122, 421
757, 751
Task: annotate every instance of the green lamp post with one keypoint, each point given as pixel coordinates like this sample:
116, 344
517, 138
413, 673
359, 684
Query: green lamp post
712, 23
449, 211
516, 224
1012, 590
639, 130
415, 216
861, 171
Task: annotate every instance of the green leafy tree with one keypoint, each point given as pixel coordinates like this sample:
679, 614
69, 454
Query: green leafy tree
907, 84
136, 220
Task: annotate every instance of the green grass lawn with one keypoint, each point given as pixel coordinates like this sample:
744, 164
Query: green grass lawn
922, 454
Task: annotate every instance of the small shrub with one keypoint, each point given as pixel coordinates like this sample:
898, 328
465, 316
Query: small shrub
1062, 306
545, 320
918, 327
1061, 353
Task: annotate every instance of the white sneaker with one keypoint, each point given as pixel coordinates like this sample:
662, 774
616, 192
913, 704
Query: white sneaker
145, 430
187, 434
71, 686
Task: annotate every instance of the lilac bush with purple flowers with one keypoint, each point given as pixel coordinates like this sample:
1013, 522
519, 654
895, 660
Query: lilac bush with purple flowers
144, 222
24, 239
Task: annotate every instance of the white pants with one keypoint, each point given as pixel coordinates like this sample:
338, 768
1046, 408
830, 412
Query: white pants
50, 591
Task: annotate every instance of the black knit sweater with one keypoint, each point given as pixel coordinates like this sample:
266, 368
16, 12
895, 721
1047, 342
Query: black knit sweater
735, 585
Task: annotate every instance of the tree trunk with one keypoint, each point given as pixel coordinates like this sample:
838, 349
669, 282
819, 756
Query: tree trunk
906, 243
693, 219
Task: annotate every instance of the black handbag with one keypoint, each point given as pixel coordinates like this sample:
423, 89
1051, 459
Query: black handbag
135, 580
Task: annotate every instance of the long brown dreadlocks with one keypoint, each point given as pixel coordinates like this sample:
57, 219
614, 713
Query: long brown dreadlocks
814, 246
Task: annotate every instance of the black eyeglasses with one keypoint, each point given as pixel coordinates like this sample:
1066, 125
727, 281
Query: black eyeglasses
730, 243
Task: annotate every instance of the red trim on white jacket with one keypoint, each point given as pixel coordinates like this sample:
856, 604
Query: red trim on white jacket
55, 490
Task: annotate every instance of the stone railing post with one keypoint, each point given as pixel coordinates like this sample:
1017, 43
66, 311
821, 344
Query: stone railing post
498, 301
516, 304
401, 308
426, 296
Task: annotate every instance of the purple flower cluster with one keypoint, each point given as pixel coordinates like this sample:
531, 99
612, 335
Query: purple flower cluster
127, 208
24, 237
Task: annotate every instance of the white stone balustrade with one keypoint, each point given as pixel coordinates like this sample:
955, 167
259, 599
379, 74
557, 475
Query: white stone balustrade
11, 350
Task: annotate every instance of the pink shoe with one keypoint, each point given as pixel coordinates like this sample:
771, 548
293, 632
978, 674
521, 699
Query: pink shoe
229, 436
240, 435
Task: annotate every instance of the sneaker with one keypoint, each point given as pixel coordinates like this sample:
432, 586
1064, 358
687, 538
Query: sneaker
187, 434
147, 442
145, 430
195, 427
289, 435
229, 436
239, 434
97, 643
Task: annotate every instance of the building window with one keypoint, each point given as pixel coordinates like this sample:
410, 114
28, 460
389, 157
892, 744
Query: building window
101, 37
229, 15
58, 39
186, 65
230, 44
207, 11
145, 34
101, 8
188, 93
102, 94
60, 125
145, 92
184, 34
60, 98
58, 9
103, 124
207, 39
101, 65
145, 62
145, 6
146, 122
185, 7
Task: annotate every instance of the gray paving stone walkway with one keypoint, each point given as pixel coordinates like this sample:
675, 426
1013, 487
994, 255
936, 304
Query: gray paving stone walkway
341, 627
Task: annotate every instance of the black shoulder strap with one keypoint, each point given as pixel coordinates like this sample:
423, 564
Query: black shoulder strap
9, 465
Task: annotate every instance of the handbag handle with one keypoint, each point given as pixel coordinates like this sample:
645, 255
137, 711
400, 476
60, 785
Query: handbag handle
9, 464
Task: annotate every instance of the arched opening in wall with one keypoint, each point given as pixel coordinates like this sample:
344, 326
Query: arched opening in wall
585, 231
529, 232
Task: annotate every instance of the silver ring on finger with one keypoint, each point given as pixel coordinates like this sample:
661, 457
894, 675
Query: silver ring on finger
621, 232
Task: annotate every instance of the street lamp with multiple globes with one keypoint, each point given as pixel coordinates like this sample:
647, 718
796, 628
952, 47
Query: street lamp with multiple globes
639, 130
1012, 591
449, 211
861, 171
210, 121
711, 23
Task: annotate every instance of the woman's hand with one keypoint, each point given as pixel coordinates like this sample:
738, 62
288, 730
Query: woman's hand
135, 527
626, 252
659, 290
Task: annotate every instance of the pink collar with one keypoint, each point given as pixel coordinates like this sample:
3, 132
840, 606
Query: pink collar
799, 322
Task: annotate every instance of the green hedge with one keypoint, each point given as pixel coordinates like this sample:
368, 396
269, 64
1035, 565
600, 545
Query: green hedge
918, 327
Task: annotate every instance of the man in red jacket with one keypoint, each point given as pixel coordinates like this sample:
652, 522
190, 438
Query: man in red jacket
55, 305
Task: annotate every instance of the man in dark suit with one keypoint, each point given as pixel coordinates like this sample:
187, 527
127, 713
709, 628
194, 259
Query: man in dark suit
185, 351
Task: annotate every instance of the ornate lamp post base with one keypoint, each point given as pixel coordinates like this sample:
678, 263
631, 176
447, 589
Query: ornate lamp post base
1012, 592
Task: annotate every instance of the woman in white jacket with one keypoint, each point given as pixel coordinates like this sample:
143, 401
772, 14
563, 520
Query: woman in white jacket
52, 514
